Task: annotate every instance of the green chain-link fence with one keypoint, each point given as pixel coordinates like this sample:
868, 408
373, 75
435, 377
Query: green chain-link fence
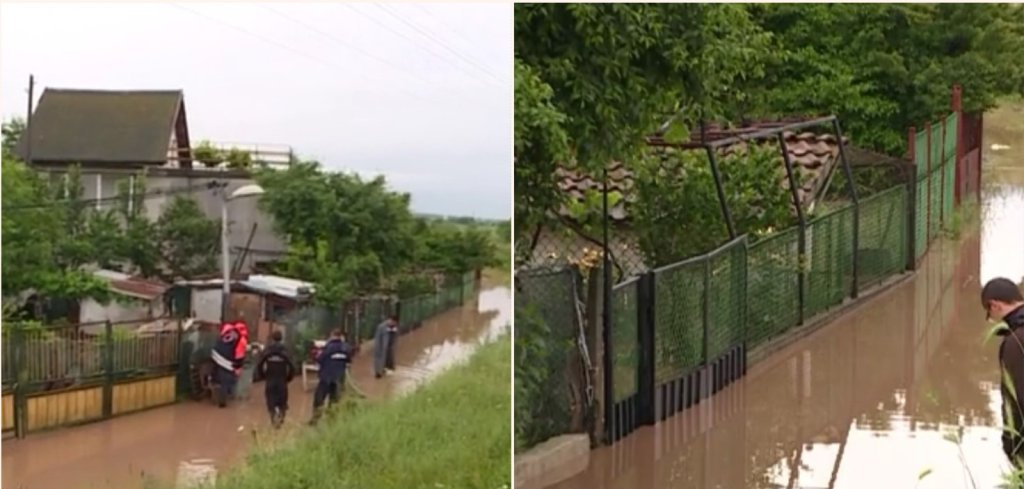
830, 261
935, 152
882, 243
547, 321
773, 294
678, 318
626, 352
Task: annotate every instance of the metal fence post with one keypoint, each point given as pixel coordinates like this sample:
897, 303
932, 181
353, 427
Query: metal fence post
856, 205
609, 407
942, 177
912, 200
802, 226
956, 105
645, 338
723, 203
705, 377
108, 369
928, 178
20, 378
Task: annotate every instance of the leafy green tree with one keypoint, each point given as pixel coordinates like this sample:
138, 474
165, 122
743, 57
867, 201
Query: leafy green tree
189, 241
599, 78
12, 131
345, 233
207, 154
456, 250
139, 247
35, 234
885, 67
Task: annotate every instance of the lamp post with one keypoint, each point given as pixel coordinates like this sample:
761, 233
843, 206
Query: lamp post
239, 193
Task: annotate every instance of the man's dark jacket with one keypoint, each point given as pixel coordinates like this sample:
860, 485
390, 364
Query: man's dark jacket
276, 365
333, 360
1011, 359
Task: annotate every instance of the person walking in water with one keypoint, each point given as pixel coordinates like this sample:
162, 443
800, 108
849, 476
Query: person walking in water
277, 369
333, 363
1002, 300
229, 355
384, 346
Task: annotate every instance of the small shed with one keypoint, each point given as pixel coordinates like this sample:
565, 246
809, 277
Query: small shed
261, 299
135, 300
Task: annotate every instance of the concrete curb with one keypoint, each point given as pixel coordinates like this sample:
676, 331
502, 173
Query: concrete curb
552, 461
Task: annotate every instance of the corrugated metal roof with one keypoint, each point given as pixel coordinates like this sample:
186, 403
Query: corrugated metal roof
125, 284
277, 285
267, 284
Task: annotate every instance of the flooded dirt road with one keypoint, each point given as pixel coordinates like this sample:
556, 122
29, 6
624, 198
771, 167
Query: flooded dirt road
905, 384
190, 440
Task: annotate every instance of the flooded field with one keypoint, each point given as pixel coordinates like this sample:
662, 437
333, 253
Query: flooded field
900, 392
189, 442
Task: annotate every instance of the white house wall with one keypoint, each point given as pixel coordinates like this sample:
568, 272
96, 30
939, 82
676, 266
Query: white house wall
116, 312
206, 303
266, 244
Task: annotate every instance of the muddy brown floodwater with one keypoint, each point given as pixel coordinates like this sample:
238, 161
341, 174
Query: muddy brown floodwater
874, 399
190, 440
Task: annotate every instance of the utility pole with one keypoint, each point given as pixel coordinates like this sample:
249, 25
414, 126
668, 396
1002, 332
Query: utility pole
28, 120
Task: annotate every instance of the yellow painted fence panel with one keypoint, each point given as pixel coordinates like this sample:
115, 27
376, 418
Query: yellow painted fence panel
63, 408
8, 412
142, 394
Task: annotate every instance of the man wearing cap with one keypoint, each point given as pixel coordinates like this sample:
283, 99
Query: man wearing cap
1002, 300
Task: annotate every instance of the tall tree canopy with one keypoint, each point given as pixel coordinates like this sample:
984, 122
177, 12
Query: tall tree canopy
345, 233
593, 80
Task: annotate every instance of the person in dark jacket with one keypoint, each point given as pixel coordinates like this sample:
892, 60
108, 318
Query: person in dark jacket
229, 355
277, 369
333, 363
383, 346
1002, 299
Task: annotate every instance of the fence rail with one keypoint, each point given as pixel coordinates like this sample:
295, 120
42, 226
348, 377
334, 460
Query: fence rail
47, 368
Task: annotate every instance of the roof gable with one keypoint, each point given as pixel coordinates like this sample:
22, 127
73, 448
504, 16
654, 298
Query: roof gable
98, 126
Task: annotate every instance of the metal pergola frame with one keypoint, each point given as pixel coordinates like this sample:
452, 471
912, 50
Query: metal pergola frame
774, 130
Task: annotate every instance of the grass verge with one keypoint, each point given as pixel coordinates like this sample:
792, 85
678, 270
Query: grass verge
452, 433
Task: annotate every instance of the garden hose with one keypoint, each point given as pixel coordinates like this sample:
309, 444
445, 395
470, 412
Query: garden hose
355, 388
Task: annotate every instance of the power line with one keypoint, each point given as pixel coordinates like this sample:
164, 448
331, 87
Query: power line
448, 26
344, 43
289, 48
386, 9
413, 42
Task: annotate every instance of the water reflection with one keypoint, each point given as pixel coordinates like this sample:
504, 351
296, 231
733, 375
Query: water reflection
871, 400
863, 402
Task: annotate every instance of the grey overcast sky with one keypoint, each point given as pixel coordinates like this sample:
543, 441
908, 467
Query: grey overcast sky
421, 93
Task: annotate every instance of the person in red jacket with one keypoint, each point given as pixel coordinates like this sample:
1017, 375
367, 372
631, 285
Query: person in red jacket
229, 354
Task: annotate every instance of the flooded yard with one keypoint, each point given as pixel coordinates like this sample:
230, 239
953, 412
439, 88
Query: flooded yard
189, 442
899, 392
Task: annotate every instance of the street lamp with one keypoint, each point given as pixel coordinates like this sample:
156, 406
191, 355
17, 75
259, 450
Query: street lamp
244, 191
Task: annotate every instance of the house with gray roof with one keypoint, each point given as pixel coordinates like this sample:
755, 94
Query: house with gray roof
114, 136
